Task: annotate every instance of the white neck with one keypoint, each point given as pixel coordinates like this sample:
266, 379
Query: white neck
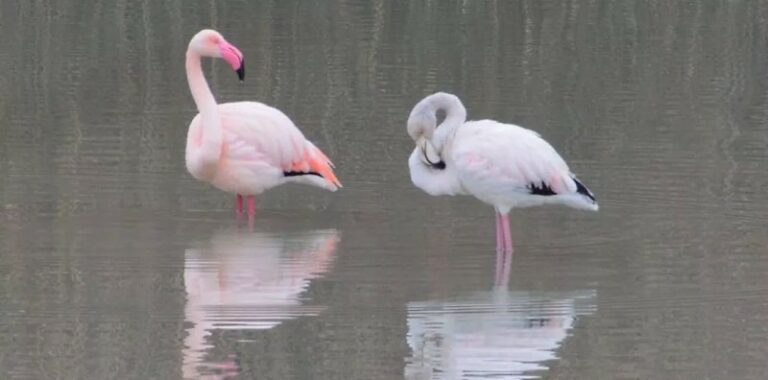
455, 116
208, 150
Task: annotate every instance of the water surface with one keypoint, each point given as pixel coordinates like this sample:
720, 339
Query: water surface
116, 264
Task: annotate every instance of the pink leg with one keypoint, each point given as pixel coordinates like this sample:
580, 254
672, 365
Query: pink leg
499, 266
503, 250
507, 232
239, 204
251, 207
499, 233
507, 269
503, 268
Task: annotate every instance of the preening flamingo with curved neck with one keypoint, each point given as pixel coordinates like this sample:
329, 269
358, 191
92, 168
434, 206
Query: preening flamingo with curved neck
245, 148
503, 165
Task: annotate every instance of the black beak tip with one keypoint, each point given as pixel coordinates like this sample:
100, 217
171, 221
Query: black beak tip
241, 70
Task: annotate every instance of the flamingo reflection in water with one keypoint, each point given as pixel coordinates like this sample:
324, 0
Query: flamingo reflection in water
248, 281
498, 334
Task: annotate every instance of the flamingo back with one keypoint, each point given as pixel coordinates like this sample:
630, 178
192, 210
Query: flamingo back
509, 166
263, 148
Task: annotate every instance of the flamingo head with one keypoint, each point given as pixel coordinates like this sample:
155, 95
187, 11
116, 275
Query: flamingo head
429, 155
421, 124
211, 43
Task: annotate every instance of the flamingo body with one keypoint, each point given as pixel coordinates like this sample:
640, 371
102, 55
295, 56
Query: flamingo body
245, 148
503, 165
261, 149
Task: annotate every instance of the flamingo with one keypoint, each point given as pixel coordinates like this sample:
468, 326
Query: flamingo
245, 148
503, 165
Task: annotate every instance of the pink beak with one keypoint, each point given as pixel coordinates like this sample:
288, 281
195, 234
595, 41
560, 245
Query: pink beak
234, 57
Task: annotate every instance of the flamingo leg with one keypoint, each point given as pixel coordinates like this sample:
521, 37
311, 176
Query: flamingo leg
499, 266
251, 207
239, 204
507, 269
499, 232
505, 229
503, 250
503, 268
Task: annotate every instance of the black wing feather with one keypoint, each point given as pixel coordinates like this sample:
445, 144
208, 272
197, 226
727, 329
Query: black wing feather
581, 189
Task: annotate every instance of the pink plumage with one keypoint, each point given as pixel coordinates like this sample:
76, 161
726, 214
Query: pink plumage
245, 148
503, 165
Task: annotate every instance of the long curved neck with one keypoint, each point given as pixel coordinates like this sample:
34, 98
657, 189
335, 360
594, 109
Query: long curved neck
455, 116
208, 145
198, 85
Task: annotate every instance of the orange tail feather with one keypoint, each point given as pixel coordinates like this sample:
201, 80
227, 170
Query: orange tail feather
318, 162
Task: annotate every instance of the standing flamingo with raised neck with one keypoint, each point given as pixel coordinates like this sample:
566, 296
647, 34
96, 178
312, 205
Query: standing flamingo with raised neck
503, 165
245, 148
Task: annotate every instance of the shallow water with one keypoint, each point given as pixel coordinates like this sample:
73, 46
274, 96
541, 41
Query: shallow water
116, 264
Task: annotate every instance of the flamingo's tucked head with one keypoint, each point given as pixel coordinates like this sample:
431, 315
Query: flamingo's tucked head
421, 123
211, 43
421, 126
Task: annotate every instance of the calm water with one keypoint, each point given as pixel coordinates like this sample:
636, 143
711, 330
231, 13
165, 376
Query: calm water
116, 264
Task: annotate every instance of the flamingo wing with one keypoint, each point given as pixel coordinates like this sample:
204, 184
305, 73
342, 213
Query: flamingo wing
260, 135
504, 164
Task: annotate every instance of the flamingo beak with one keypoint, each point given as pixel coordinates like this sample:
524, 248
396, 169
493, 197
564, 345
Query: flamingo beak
241, 70
430, 156
234, 57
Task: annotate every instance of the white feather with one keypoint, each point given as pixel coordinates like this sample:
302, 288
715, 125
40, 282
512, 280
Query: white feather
495, 162
498, 163
432, 181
